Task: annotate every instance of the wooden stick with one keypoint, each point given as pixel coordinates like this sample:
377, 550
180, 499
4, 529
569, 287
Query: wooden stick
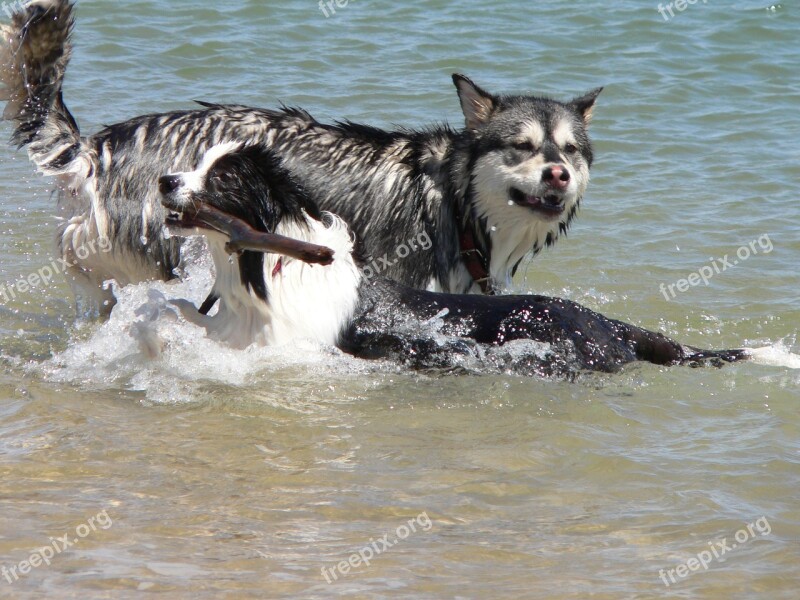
243, 237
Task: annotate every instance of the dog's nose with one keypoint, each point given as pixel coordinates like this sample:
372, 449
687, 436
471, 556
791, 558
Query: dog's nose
169, 183
556, 177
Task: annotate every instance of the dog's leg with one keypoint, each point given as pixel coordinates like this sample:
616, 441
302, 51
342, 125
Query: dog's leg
208, 304
191, 314
650, 346
92, 300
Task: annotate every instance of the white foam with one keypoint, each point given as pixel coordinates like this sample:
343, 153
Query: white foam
776, 355
147, 345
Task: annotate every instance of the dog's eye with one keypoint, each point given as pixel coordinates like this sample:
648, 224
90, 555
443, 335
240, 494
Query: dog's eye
220, 176
570, 148
525, 147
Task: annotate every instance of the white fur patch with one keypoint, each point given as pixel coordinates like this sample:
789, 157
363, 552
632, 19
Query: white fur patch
563, 134
532, 131
312, 302
194, 181
214, 153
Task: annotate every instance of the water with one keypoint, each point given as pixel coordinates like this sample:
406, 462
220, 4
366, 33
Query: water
244, 474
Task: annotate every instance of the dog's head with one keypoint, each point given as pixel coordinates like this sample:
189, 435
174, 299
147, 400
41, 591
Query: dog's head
245, 182
530, 156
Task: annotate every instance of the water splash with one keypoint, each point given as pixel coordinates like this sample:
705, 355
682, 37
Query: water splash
776, 355
146, 345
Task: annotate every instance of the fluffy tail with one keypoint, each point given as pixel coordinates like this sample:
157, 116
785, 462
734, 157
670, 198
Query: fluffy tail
34, 51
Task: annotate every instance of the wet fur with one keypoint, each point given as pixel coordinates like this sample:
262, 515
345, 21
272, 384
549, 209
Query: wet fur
389, 186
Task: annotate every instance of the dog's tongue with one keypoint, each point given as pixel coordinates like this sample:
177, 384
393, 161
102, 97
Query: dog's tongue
549, 202
531, 200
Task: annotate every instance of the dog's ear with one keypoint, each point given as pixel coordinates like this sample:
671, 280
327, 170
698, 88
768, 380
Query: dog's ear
584, 105
477, 104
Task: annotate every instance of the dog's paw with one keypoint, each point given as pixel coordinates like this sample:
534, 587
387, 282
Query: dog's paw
190, 312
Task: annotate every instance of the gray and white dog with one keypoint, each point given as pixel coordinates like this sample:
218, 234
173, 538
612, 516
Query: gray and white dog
504, 186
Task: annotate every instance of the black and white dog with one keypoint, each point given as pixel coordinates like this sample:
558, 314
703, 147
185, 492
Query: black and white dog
487, 195
268, 299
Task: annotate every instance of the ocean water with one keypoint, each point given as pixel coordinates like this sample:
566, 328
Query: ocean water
202, 472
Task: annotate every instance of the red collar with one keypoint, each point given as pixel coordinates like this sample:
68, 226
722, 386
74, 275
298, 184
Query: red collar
474, 261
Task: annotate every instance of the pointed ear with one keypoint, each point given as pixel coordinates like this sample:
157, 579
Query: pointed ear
584, 105
476, 104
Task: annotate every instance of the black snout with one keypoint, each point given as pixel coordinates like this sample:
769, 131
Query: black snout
556, 176
169, 183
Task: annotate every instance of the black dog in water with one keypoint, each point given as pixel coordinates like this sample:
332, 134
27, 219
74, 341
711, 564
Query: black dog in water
272, 299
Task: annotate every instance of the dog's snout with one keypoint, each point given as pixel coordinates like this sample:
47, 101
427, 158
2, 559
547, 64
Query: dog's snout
169, 183
556, 176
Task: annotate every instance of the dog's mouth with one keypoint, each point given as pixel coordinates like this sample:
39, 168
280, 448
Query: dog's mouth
181, 215
551, 205
185, 221
241, 236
